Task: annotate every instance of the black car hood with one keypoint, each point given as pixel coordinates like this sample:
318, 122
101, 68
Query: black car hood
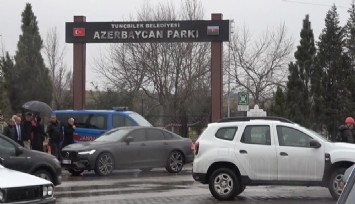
85, 146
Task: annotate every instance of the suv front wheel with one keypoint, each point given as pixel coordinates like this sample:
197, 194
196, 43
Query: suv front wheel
336, 178
224, 184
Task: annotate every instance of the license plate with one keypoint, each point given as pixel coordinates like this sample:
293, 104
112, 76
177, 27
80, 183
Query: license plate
66, 161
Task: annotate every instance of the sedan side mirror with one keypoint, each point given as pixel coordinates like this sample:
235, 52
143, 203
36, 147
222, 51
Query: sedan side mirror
18, 151
314, 144
129, 139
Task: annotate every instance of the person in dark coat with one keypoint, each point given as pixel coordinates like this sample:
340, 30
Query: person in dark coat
39, 135
69, 133
346, 132
54, 132
28, 127
10, 130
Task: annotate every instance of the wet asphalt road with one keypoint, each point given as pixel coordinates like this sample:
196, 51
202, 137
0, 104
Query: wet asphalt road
158, 186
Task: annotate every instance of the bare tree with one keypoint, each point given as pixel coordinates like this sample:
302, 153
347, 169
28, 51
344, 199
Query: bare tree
169, 73
61, 77
261, 65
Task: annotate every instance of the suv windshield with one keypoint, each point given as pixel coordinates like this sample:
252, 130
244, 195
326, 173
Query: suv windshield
140, 120
114, 135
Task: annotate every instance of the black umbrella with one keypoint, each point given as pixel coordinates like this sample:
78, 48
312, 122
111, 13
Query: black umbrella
38, 107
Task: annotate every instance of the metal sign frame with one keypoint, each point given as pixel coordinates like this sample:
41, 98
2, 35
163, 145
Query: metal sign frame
216, 31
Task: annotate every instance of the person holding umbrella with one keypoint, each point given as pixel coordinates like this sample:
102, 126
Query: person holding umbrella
28, 130
39, 135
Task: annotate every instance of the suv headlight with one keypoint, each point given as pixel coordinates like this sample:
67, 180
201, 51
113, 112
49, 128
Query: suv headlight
87, 152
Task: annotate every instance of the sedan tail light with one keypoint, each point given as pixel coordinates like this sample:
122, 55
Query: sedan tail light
192, 147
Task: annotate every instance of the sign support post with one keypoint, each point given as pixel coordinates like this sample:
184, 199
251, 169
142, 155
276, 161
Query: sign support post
79, 71
216, 76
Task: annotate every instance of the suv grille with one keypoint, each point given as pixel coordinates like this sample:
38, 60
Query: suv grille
23, 194
69, 155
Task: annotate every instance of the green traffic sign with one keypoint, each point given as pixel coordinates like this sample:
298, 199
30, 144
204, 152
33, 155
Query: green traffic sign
243, 98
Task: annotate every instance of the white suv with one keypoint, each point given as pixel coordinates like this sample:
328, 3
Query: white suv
240, 152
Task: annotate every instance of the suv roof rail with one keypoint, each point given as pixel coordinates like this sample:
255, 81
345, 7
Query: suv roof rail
234, 119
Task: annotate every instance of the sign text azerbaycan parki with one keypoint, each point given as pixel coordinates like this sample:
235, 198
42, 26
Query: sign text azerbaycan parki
155, 31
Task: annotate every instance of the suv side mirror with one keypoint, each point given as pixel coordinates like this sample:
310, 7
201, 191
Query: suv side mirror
129, 139
314, 144
1, 161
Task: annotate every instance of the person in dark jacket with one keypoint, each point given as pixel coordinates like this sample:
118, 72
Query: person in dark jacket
69, 133
346, 132
28, 127
39, 135
54, 131
10, 130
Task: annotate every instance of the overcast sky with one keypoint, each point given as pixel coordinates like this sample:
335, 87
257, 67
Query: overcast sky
257, 15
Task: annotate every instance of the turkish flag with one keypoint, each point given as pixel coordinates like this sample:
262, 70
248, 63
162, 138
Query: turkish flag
79, 32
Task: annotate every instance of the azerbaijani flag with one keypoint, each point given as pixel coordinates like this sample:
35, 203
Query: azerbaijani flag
212, 30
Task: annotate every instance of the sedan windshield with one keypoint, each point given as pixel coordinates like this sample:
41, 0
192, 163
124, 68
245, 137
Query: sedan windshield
113, 135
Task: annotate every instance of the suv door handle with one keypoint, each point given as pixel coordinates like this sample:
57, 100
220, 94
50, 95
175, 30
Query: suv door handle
143, 144
243, 152
283, 154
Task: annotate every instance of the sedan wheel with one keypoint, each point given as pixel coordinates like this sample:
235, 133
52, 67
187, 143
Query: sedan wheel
175, 162
104, 164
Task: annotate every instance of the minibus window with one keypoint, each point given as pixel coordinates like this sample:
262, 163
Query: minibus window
121, 121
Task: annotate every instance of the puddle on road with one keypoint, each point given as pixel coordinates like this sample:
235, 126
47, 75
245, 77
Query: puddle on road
121, 188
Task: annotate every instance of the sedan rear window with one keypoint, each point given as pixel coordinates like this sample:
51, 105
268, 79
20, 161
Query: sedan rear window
114, 135
226, 133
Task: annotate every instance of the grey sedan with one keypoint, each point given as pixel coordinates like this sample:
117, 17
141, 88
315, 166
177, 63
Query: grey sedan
129, 148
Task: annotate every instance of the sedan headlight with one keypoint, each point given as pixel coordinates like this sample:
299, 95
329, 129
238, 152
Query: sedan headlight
1, 196
87, 152
48, 191
45, 191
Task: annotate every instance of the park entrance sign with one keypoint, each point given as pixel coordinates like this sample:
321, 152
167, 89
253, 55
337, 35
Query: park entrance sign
140, 32
215, 31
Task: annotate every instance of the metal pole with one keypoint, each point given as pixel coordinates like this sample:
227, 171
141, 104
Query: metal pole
79, 67
229, 80
229, 68
216, 76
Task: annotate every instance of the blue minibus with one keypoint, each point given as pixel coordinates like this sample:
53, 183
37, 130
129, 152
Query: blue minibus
90, 124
